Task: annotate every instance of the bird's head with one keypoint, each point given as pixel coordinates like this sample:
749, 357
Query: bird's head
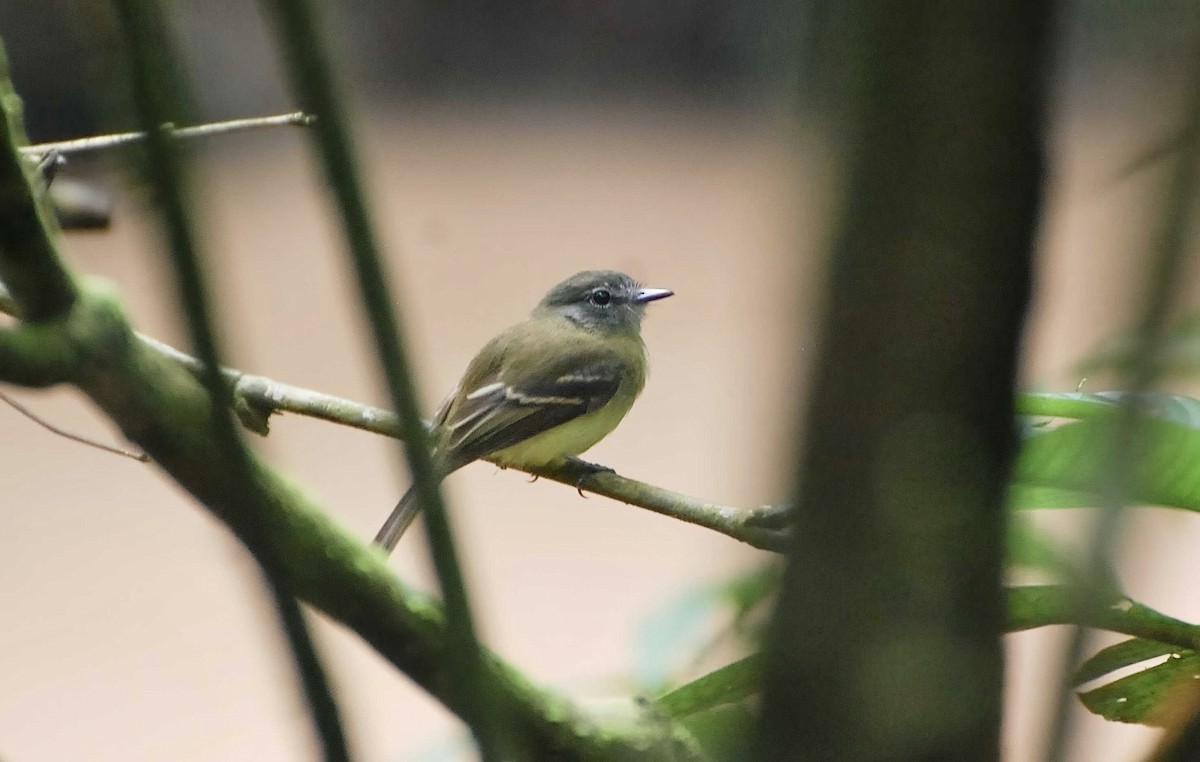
601, 300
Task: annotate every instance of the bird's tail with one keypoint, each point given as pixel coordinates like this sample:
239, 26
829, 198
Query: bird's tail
402, 515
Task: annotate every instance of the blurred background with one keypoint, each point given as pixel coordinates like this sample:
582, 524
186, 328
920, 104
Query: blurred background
506, 146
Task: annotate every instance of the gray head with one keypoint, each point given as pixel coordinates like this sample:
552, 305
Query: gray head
602, 300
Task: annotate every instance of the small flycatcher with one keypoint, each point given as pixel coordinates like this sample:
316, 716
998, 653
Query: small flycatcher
546, 389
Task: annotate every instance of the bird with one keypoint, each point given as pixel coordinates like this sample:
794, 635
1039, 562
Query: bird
545, 389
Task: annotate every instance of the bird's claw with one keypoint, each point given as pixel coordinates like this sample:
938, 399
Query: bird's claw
583, 469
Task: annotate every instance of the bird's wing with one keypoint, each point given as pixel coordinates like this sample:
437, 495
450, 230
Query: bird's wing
498, 413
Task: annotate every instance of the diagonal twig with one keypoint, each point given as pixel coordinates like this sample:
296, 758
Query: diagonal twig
114, 140
256, 398
138, 456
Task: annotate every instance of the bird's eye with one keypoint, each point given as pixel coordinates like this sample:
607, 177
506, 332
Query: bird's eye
600, 297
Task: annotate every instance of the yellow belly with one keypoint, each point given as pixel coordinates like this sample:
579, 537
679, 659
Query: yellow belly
571, 438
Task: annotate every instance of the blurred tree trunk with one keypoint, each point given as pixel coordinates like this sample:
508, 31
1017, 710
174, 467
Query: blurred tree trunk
886, 642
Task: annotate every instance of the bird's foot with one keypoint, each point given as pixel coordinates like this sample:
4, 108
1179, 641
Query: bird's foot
582, 469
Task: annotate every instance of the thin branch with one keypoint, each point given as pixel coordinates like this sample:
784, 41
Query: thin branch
209, 129
156, 84
765, 527
141, 457
307, 60
80, 207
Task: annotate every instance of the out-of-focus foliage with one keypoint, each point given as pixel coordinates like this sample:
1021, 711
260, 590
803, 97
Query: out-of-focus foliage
681, 634
1151, 696
1071, 459
1060, 466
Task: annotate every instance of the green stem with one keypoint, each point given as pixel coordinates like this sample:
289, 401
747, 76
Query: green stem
154, 85
29, 260
312, 81
1033, 606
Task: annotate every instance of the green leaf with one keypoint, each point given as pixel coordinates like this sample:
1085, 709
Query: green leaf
1078, 405
1087, 405
1149, 697
1123, 654
1068, 465
729, 684
1165, 460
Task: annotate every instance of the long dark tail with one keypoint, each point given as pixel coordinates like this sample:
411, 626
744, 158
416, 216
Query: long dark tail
402, 515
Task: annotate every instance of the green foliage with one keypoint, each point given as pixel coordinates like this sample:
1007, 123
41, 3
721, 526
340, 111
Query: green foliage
1068, 464
729, 684
1064, 466
683, 631
1061, 465
1151, 696
1123, 654
717, 709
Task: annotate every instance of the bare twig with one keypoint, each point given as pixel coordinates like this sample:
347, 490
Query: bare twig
103, 142
764, 527
257, 397
138, 456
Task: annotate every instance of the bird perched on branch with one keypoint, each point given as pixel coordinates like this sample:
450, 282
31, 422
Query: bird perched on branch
547, 388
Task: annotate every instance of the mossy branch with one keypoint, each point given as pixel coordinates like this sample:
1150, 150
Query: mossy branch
78, 334
158, 90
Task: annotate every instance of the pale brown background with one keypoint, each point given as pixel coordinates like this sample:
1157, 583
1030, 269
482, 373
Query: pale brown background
135, 629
